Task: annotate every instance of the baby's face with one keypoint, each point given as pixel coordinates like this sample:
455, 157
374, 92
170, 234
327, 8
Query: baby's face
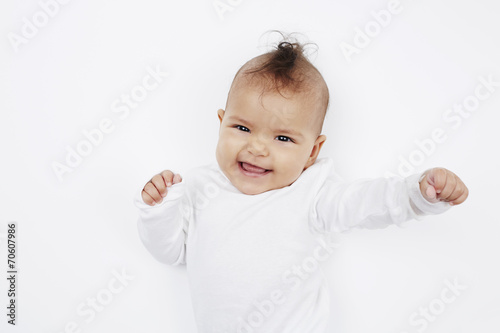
278, 135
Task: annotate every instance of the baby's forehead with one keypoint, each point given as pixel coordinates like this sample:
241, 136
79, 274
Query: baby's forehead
309, 114
309, 92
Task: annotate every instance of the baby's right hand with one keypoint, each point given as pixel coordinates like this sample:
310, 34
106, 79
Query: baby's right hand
156, 189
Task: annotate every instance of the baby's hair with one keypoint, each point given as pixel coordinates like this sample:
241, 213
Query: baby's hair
286, 68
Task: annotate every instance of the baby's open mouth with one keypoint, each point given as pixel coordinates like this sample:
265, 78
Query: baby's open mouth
253, 168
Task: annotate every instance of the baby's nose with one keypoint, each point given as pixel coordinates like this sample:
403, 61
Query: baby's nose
257, 145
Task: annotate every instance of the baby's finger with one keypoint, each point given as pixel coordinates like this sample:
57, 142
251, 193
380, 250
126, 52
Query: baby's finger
153, 192
437, 177
461, 198
147, 198
428, 191
449, 188
159, 183
459, 190
177, 178
167, 177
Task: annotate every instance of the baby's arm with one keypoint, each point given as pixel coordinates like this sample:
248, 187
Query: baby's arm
377, 203
162, 222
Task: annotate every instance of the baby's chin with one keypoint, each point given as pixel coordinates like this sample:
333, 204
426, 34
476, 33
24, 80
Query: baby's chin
252, 191
249, 188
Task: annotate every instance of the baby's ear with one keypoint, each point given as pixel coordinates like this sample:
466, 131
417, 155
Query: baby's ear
220, 114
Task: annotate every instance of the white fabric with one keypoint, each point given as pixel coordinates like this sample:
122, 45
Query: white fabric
252, 260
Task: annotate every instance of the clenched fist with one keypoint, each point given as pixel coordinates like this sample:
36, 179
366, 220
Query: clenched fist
156, 189
440, 184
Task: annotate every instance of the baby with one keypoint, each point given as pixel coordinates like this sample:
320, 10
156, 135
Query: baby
253, 226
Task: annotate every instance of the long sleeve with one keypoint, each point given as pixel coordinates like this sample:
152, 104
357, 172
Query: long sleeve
163, 228
370, 203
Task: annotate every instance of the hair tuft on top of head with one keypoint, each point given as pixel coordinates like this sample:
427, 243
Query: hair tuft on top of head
284, 67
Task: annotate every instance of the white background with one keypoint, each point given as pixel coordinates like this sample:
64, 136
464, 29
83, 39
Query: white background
73, 234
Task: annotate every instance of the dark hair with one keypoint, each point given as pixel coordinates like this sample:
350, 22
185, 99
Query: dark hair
281, 66
284, 68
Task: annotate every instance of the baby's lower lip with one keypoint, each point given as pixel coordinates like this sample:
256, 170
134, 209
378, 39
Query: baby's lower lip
252, 174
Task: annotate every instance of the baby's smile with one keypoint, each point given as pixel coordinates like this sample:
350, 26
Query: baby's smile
251, 170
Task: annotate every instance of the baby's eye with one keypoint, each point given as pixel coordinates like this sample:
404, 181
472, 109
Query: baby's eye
238, 126
287, 139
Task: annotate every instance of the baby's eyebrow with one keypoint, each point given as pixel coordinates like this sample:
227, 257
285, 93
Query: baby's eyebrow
283, 130
289, 132
239, 119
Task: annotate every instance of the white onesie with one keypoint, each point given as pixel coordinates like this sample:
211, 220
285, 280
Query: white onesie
253, 260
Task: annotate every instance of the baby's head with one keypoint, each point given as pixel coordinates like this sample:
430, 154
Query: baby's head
273, 119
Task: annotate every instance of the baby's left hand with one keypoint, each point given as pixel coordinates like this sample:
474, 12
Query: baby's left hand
440, 184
